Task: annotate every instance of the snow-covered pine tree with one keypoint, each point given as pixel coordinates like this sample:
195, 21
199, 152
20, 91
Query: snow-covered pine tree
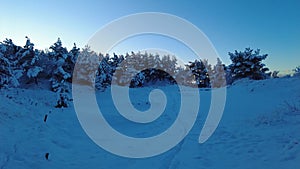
10, 72
184, 76
168, 69
63, 95
153, 63
71, 60
200, 73
158, 69
5, 71
104, 74
248, 64
138, 80
87, 62
118, 78
128, 69
59, 75
106, 71
218, 77
28, 61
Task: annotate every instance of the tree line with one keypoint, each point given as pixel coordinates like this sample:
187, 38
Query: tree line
20, 66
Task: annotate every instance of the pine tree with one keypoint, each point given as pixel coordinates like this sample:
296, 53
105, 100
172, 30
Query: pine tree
87, 66
248, 64
28, 61
106, 71
218, 78
71, 60
59, 55
184, 76
63, 95
128, 69
10, 72
60, 75
104, 74
200, 72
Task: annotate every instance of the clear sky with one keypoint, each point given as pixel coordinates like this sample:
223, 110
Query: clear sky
271, 25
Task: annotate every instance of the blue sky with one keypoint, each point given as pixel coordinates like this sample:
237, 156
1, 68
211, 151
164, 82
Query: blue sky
271, 25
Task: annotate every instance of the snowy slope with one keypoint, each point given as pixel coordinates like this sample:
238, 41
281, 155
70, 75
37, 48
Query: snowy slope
259, 129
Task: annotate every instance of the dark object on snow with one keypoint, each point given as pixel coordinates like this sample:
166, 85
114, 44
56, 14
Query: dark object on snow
47, 156
45, 118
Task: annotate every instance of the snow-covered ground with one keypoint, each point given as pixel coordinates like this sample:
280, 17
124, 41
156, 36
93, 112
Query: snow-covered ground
260, 128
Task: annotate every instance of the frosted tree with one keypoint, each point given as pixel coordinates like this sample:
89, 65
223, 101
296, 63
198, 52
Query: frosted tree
184, 76
28, 61
218, 76
154, 64
6, 74
106, 71
119, 77
87, 66
168, 69
71, 60
157, 69
200, 72
63, 95
59, 75
138, 80
248, 64
128, 69
104, 74
10, 72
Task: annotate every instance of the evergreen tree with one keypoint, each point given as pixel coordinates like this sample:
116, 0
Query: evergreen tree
128, 69
200, 72
71, 60
218, 78
184, 76
87, 62
248, 64
28, 61
59, 75
10, 72
106, 71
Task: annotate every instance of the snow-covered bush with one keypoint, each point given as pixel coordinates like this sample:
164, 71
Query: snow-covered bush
248, 64
63, 95
275, 74
297, 71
